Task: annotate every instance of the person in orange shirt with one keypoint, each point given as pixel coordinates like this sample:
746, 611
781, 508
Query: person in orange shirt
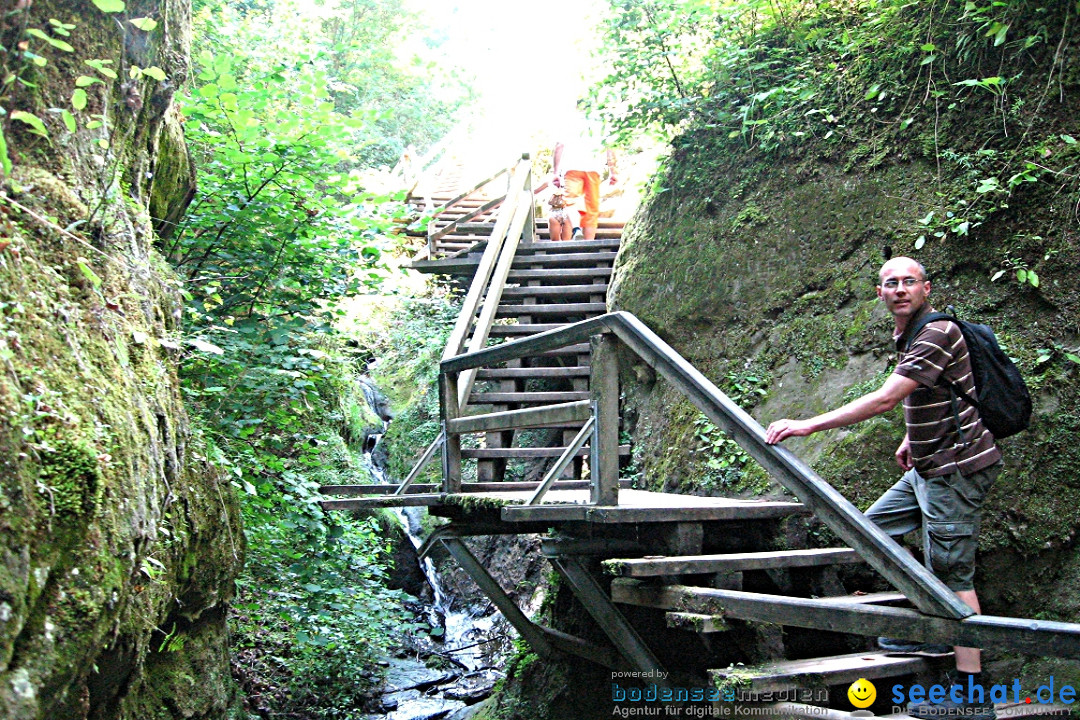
579, 172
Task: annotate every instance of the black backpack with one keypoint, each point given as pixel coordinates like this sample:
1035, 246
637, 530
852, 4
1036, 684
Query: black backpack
1002, 396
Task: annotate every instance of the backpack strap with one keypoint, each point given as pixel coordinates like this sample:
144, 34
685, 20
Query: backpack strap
914, 332
954, 389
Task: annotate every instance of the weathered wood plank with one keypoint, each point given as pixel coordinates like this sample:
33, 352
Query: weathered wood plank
562, 291
604, 388
701, 564
526, 418
632, 514
619, 631
558, 274
526, 372
474, 297
537, 452
1034, 637
818, 672
552, 309
502, 398
466, 487
494, 292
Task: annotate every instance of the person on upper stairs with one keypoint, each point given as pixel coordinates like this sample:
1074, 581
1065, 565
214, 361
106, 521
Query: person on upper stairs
560, 223
578, 167
950, 460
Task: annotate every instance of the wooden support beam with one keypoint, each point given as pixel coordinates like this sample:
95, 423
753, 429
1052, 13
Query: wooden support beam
527, 418
817, 672
619, 631
1034, 637
421, 463
451, 447
701, 564
536, 638
604, 387
564, 460
466, 487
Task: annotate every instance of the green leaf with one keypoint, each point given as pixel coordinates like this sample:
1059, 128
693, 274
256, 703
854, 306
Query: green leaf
5, 161
1032, 278
920, 242
42, 35
37, 127
997, 276
78, 99
86, 81
1069, 139
110, 6
1074, 358
144, 23
88, 272
1021, 275
872, 92
69, 120
99, 65
155, 72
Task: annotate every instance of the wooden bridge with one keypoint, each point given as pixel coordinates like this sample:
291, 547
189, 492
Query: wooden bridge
682, 587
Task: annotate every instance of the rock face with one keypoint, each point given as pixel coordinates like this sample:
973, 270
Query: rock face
119, 541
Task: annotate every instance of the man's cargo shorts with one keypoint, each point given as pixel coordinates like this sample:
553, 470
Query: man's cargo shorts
947, 509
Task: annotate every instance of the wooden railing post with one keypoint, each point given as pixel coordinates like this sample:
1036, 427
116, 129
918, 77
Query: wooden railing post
529, 233
604, 388
448, 402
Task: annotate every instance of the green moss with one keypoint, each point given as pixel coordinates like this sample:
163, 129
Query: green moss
69, 479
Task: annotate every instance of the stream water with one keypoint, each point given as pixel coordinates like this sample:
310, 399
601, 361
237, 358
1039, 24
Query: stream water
465, 675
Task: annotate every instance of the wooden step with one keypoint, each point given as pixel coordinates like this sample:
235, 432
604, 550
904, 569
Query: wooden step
701, 564
520, 329
568, 246
557, 276
511, 398
551, 309
540, 452
526, 373
560, 291
564, 259
559, 263
821, 671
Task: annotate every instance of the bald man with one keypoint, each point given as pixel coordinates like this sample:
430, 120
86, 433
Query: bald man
949, 458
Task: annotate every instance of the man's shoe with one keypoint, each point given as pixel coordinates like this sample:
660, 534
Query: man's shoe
578, 235
947, 708
895, 646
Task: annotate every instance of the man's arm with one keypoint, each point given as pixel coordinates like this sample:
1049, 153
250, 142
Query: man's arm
556, 163
882, 400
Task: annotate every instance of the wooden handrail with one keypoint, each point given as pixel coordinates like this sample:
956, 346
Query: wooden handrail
928, 593
522, 213
473, 298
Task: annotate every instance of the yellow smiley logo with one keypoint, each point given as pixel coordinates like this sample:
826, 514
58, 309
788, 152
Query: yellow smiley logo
862, 693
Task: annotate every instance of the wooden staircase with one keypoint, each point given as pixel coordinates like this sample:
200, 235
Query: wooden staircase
706, 593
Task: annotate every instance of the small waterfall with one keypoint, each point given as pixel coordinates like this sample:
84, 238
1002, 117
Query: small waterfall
465, 633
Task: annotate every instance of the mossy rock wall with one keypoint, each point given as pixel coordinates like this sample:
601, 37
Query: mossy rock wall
119, 540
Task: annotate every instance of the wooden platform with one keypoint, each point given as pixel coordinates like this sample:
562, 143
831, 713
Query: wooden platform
635, 506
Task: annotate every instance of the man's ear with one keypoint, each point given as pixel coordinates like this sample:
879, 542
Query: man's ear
878, 288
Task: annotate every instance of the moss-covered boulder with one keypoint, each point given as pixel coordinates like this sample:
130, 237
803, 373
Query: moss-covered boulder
119, 540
